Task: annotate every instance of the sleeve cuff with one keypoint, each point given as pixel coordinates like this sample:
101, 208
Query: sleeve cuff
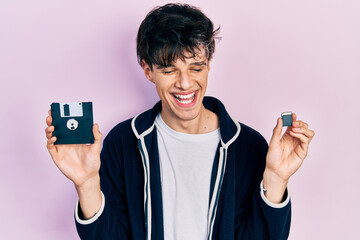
274, 205
95, 217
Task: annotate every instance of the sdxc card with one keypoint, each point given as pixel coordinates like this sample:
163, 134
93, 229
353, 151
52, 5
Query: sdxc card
73, 122
287, 118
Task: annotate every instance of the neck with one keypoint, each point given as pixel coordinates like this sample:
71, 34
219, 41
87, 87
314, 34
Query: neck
205, 122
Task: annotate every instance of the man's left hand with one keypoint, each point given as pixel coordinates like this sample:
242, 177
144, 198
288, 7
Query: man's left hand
285, 155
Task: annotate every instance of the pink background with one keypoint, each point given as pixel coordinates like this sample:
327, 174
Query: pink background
275, 56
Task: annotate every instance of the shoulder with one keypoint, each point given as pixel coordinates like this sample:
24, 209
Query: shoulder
251, 138
122, 131
250, 134
250, 150
122, 128
126, 132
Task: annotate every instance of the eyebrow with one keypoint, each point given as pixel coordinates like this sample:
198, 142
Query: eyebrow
202, 63
163, 66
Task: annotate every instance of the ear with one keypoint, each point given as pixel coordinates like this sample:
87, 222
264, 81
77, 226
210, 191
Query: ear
147, 70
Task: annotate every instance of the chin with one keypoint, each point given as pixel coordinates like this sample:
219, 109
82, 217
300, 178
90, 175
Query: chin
189, 114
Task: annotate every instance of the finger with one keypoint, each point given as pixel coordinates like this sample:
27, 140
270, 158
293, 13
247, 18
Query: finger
300, 123
49, 131
304, 141
49, 112
302, 137
302, 127
294, 117
310, 134
97, 134
51, 146
305, 131
277, 131
49, 120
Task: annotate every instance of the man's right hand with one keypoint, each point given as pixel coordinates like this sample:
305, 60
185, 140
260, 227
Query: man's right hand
80, 163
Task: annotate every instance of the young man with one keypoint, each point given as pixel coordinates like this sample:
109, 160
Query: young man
183, 169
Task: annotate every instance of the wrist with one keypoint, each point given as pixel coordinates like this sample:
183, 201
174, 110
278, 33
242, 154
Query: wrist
274, 185
90, 198
91, 184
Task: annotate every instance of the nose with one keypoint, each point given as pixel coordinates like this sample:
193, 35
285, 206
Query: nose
184, 81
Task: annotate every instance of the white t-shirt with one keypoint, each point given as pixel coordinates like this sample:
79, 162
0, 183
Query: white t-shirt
186, 161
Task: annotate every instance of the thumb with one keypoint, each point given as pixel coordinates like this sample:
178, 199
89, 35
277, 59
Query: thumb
277, 131
97, 134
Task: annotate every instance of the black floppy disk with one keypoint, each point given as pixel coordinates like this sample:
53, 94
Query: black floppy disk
73, 122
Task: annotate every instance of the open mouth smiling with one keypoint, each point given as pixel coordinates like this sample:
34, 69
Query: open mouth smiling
185, 99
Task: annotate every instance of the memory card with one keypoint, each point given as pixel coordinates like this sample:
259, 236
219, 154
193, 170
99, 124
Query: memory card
286, 118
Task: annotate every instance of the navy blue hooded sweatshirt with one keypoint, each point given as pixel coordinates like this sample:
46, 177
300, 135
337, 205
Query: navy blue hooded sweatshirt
130, 181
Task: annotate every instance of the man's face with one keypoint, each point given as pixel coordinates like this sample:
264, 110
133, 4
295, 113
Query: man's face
181, 86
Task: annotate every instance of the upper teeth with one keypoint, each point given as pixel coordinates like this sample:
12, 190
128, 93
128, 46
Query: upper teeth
185, 96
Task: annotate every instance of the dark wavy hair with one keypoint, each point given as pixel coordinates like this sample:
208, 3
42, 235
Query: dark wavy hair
173, 31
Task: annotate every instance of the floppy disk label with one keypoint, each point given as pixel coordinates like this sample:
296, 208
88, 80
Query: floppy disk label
73, 109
